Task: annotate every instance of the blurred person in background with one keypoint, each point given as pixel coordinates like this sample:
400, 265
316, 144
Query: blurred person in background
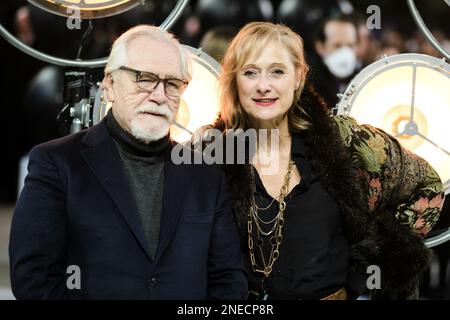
233, 13
216, 41
425, 47
335, 61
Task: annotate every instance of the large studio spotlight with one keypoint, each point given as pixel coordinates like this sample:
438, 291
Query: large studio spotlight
61, 6
408, 96
199, 103
444, 236
88, 9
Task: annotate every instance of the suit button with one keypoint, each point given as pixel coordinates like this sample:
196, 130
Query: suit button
153, 282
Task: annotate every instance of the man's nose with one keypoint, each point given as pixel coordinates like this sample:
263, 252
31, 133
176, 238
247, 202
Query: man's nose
158, 94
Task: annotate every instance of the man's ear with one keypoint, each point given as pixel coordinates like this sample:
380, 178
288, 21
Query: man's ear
107, 86
320, 48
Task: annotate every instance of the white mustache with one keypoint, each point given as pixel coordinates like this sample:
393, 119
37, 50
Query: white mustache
162, 109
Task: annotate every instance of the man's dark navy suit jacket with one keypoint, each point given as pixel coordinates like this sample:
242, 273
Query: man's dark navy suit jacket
76, 208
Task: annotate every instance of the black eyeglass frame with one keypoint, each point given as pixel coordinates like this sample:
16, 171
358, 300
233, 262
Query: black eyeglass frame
138, 73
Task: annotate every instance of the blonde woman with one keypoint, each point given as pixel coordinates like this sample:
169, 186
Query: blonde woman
344, 196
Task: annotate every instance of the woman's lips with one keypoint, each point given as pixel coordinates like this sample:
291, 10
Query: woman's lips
265, 102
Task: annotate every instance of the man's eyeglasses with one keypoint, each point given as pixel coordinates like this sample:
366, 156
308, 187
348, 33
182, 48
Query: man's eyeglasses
148, 81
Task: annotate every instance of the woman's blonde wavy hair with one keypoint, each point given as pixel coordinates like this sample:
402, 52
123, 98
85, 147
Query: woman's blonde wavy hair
250, 40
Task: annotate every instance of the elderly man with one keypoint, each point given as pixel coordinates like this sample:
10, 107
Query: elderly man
105, 214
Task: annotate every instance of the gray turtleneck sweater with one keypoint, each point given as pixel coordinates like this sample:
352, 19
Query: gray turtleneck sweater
144, 168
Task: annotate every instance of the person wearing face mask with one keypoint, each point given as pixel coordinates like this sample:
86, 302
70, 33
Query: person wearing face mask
106, 214
335, 61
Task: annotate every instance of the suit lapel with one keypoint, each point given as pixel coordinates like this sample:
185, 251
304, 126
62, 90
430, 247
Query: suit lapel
177, 179
103, 158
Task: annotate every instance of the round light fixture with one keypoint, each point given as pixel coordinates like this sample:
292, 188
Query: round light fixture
56, 6
199, 103
88, 9
408, 96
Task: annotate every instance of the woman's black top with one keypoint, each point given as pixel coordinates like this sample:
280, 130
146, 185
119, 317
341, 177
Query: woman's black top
313, 259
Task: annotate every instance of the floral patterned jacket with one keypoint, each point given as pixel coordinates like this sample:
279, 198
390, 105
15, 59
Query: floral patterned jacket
414, 186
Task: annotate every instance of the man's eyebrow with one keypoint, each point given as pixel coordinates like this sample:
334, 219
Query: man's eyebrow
171, 76
167, 76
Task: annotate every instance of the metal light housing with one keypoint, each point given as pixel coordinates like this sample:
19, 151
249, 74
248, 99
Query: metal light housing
408, 96
88, 9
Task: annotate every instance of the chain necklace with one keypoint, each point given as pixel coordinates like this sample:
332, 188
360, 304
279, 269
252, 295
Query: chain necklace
276, 230
262, 209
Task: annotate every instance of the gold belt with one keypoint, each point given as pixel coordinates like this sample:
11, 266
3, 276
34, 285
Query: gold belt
341, 294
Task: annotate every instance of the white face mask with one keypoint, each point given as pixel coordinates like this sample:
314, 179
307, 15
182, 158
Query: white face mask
341, 62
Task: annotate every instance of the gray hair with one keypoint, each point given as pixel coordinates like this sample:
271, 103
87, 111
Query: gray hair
118, 55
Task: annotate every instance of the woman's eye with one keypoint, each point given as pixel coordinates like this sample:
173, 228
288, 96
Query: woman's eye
278, 72
249, 73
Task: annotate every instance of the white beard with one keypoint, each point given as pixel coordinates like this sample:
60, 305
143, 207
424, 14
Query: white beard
154, 127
